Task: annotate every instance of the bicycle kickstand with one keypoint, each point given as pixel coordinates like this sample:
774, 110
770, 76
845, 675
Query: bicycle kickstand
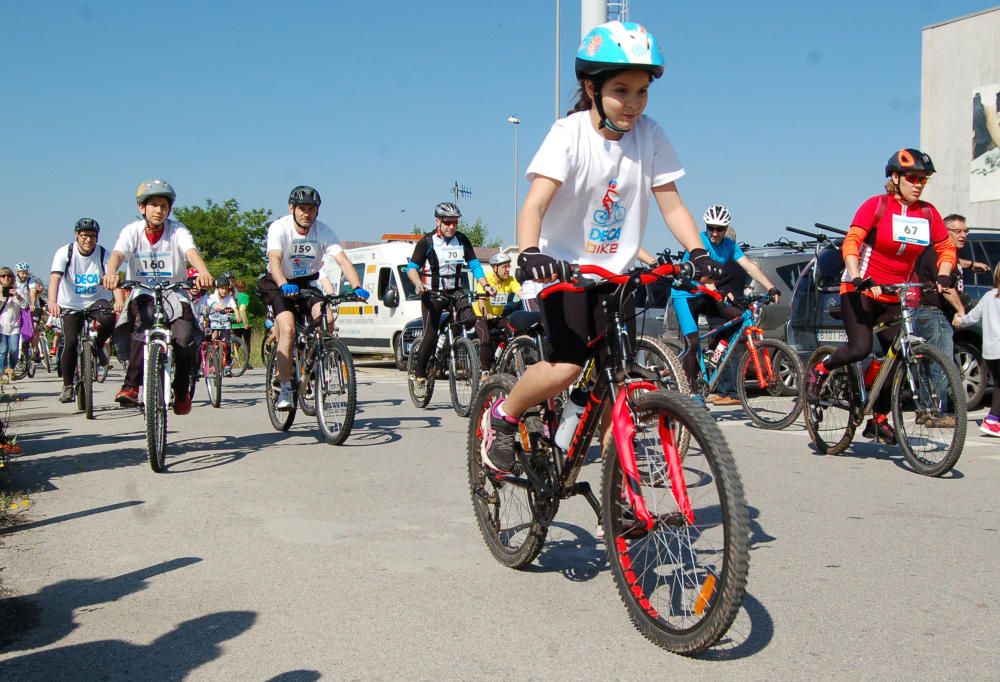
583, 488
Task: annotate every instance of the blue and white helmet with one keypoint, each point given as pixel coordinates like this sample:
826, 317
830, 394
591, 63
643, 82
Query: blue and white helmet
22, 266
616, 46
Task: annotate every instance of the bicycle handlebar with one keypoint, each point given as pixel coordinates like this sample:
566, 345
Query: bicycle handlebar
152, 285
679, 272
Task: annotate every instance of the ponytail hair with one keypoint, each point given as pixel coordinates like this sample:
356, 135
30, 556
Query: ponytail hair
584, 101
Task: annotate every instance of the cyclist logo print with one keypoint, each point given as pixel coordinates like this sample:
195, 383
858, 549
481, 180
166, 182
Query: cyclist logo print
606, 227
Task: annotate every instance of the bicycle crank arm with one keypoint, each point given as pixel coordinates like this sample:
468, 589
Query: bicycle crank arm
583, 488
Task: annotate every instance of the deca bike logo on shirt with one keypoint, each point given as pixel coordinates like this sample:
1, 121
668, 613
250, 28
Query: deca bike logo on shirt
86, 284
605, 231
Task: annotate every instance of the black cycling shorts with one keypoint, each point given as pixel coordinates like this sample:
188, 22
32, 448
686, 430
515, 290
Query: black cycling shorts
574, 320
271, 293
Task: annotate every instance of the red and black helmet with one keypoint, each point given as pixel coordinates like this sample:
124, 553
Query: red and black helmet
908, 161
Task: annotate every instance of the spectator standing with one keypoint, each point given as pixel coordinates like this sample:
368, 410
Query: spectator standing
12, 303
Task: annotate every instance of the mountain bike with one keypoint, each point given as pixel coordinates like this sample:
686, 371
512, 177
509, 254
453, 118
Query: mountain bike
455, 354
768, 373
240, 355
924, 382
157, 394
676, 526
25, 365
87, 367
211, 356
321, 364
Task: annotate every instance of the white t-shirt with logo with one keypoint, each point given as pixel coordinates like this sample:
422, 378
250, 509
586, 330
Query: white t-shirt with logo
216, 319
302, 255
598, 215
164, 260
81, 284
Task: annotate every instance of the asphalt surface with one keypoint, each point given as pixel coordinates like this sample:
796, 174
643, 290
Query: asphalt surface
262, 555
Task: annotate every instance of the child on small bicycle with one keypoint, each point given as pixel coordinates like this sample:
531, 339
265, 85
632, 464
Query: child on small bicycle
987, 311
220, 308
588, 203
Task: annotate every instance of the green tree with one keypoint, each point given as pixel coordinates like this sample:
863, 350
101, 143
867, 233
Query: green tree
229, 239
477, 233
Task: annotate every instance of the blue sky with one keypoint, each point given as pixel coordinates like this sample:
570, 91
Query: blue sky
784, 111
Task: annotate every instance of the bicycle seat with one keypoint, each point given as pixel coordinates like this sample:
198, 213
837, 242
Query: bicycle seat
525, 321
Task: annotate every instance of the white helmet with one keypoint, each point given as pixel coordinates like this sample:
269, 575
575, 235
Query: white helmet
500, 259
717, 214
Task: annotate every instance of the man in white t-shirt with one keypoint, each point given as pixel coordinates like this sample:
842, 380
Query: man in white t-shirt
297, 246
76, 284
157, 248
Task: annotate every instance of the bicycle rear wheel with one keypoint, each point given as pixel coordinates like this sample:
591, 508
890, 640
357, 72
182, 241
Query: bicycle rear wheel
420, 398
241, 356
87, 375
155, 405
517, 356
335, 388
769, 387
463, 377
682, 582
832, 420
930, 421
280, 420
503, 509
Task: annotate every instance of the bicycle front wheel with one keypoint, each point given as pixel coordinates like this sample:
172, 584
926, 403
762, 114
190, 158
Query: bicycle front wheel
87, 374
682, 582
335, 389
155, 405
517, 356
213, 376
767, 382
280, 420
503, 509
420, 395
654, 355
241, 356
929, 410
463, 376
832, 419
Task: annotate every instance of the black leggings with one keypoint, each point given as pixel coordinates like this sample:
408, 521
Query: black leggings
994, 367
432, 307
186, 339
72, 325
717, 313
861, 314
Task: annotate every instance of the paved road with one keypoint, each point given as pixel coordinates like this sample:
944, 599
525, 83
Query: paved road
264, 555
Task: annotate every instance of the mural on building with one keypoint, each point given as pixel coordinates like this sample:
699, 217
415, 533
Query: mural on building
984, 179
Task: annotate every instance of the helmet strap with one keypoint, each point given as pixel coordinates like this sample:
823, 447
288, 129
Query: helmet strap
605, 123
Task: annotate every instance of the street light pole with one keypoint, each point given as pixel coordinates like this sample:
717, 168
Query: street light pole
517, 124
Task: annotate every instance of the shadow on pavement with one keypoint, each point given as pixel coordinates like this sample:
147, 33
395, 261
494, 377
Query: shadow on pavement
572, 551
190, 454
749, 634
297, 676
69, 517
383, 430
869, 449
48, 614
172, 656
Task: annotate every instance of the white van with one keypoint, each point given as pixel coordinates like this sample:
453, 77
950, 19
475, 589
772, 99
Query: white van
376, 327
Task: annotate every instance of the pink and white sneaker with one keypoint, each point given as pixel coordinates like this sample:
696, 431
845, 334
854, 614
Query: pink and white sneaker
990, 428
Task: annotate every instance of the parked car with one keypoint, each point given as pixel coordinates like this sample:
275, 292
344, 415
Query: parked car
818, 291
782, 262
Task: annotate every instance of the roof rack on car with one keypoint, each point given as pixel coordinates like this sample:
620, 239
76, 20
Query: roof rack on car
786, 243
984, 229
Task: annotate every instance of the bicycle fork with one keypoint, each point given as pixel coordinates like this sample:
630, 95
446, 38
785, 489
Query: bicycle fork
623, 427
161, 338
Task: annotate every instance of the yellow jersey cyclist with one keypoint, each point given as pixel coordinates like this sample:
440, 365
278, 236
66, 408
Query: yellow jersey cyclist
438, 264
156, 248
298, 246
489, 307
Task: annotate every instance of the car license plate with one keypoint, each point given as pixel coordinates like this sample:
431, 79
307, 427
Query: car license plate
831, 335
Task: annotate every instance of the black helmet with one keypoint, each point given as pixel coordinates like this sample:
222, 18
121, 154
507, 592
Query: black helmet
304, 195
909, 160
87, 225
223, 281
446, 209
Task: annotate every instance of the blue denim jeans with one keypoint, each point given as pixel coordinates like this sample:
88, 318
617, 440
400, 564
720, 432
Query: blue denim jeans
931, 324
727, 379
9, 344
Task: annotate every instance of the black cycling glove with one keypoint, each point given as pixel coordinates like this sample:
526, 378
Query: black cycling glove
773, 291
707, 267
536, 265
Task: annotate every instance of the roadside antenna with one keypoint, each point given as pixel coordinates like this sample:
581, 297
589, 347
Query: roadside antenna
460, 191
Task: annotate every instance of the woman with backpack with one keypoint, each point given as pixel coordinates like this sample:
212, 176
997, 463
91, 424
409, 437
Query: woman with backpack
888, 234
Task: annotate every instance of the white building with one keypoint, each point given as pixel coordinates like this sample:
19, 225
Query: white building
959, 128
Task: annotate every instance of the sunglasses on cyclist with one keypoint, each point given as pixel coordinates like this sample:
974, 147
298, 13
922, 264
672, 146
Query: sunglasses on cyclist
920, 180
716, 228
